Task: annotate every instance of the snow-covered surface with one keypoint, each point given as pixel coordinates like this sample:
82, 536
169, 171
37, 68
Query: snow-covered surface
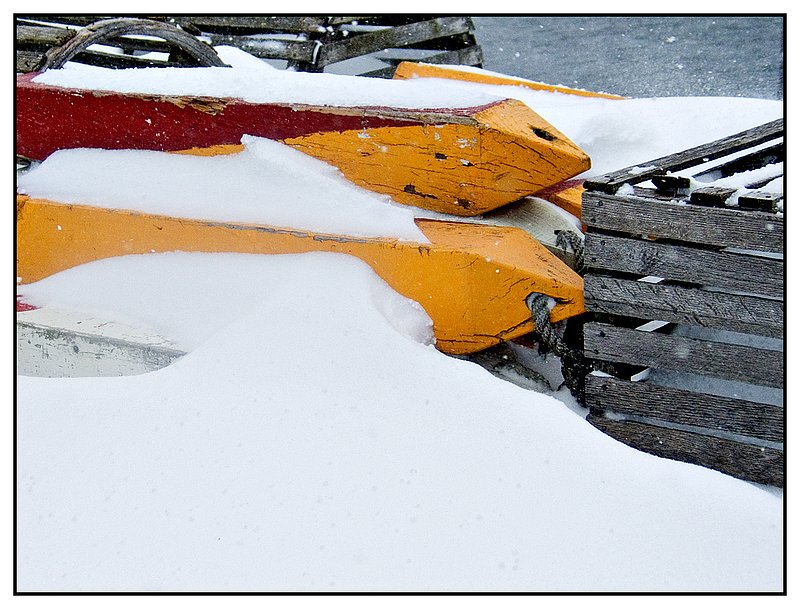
485, 72
253, 80
267, 183
620, 133
314, 439
310, 441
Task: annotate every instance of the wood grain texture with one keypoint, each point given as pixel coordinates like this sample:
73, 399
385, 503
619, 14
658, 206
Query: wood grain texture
306, 42
450, 160
711, 196
690, 223
29, 61
194, 49
611, 182
654, 301
756, 464
745, 162
290, 50
752, 419
719, 360
395, 37
460, 169
473, 280
41, 35
247, 23
727, 270
760, 201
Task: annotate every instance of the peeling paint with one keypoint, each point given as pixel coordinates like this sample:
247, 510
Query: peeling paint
206, 105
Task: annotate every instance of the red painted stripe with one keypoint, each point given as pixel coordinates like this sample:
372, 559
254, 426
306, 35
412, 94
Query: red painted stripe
55, 118
560, 187
24, 306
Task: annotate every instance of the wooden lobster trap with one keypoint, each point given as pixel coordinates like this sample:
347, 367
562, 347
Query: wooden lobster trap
685, 293
365, 45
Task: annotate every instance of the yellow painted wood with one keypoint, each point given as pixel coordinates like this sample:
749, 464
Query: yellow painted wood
216, 150
471, 279
569, 199
494, 157
407, 69
467, 167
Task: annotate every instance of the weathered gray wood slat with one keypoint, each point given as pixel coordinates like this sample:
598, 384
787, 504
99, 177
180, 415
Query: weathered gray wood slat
386, 72
760, 200
265, 48
343, 19
763, 181
130, 44
29, 61
712, 196
719, 360
671, 185
240, 23
725, 414
469, 56
113, 60
746, 162
757, 464
726, 270
655, 301
65, 19
691, 223
452, 35
396, 37
447, 43
610, 182
42, 35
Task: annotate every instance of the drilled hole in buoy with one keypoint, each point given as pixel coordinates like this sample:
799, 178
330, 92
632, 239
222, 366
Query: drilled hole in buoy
545, 135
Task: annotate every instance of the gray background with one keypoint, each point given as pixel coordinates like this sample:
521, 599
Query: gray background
647, 56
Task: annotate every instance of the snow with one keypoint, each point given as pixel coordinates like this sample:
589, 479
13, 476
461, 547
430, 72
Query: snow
314, 439
267, 183
308, 443
629, 132
252, 80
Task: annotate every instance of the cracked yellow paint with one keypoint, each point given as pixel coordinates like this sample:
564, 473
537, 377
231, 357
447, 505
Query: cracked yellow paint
407, 70
473, 280
494, 157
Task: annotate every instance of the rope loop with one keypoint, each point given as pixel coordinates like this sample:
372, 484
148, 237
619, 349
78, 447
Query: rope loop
574, 366
566, 239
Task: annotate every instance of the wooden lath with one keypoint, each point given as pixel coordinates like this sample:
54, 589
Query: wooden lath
685, 298
306, 43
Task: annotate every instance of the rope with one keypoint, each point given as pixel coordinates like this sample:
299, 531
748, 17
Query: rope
566, 239
574, 366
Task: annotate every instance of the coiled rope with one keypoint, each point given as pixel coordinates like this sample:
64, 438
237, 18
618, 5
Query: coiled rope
574, 366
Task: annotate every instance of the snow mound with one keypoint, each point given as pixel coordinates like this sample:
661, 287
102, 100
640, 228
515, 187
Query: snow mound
306, 444
267, 183
620, 133
258, 82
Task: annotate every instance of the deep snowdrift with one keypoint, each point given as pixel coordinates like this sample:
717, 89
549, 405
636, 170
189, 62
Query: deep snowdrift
307, 443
